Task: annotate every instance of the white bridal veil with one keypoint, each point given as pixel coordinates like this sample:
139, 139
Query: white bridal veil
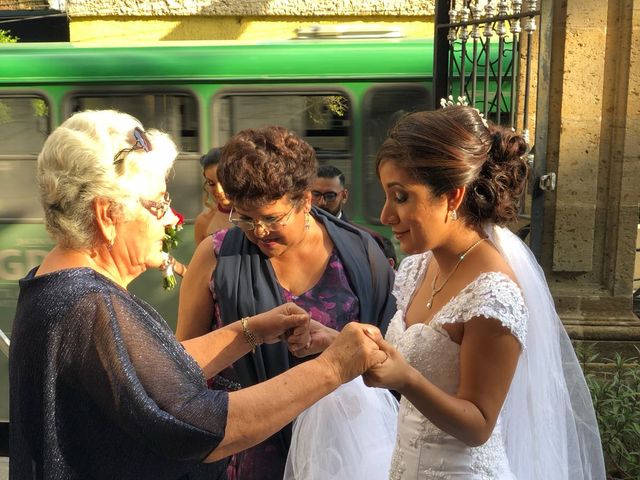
550, 428
348, 435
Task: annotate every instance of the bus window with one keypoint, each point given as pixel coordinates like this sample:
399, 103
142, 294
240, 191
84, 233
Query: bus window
174, 113
323, 120
382, 107
24, 124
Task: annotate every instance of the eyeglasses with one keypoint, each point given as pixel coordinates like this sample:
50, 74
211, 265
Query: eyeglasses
268, 224
141, 143
157, 209
327, 196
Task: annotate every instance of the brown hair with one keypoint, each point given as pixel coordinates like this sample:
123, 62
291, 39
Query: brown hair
452, 148
263, 165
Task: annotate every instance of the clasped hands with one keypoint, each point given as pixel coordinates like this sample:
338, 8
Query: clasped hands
357, 349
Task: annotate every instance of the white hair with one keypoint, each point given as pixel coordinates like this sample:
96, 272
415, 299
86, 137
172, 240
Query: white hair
76, 166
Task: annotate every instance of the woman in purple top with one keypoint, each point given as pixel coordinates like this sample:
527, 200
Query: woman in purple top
282, 250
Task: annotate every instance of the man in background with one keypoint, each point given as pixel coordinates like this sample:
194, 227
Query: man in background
328, 193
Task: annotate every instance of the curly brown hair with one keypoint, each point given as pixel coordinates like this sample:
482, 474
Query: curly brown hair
452, 148
260, 166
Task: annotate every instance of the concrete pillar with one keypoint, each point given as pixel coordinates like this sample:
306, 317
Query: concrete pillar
591, 220
581, 126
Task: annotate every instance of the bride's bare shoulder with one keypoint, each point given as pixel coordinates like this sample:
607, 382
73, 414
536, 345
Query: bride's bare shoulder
489, 259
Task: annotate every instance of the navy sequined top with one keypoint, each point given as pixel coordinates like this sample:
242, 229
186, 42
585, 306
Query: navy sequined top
101, 389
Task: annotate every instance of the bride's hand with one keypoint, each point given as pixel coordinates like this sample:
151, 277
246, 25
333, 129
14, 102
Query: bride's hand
320, 338
393, 373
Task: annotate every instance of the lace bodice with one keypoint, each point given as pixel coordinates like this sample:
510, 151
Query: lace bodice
422, 450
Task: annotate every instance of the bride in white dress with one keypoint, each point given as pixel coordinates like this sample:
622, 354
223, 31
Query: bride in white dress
491, 388
490, 385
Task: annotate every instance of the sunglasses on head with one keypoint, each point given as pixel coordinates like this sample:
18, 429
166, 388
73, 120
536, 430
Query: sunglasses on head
141, 143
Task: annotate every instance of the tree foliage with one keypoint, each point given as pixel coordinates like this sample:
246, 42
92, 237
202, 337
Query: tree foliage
6, 37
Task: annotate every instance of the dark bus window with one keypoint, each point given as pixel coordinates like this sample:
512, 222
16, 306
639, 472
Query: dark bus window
323, 120
175, 113
24, 126
382, 107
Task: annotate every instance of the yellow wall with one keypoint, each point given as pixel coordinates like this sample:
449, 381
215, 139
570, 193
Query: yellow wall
151, 29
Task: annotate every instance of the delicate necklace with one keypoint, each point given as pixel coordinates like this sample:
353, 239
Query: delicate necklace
435, 290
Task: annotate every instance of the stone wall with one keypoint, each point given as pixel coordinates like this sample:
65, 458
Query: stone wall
250, 8
594, 147
102, 20
23, 5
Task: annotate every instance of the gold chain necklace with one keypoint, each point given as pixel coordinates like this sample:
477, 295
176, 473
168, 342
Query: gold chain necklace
435, 290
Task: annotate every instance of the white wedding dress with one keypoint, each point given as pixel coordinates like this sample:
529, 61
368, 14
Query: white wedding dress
546, 430
423, 451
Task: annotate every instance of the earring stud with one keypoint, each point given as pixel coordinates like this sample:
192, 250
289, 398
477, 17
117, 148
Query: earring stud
453, 214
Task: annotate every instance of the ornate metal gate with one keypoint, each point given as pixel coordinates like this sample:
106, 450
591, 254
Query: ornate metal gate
491, 52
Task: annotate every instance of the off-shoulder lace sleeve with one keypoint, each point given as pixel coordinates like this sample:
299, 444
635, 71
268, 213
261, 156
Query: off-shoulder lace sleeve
491, 295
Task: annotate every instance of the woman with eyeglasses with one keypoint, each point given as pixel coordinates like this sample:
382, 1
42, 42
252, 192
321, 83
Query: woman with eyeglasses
100, 387
215, 216
281, 250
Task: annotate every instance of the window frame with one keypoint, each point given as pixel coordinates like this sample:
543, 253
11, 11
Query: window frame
368, 98
297, 90
32, 93
132, 90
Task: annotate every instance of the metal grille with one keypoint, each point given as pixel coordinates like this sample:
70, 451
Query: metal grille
496, 53
484, 53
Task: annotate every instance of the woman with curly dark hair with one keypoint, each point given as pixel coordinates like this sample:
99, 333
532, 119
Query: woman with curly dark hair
281, 250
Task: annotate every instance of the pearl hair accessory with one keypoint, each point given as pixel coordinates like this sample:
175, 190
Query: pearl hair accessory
448, 102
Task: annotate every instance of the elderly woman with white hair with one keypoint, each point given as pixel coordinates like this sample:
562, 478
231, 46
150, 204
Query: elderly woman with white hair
100, 387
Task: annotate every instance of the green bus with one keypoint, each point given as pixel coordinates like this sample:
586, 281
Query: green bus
339, 95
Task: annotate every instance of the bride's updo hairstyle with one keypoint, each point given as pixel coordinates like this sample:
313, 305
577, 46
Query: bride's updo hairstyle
451, 148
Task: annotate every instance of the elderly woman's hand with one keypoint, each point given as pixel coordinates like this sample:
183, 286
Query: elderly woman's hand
286, 322
354, 351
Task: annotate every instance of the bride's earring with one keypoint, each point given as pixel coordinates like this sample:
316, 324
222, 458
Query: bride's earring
453, 214
307, 221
